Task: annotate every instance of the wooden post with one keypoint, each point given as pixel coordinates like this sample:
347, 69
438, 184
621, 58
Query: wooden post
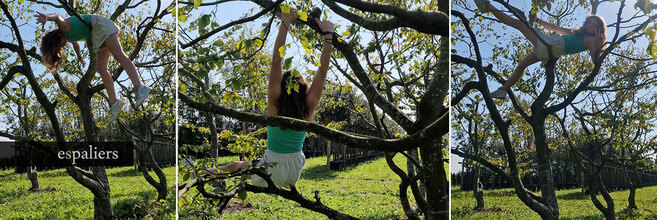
344, 154
328, 155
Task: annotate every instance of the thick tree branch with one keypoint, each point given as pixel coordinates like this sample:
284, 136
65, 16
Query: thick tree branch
438, 127
425, 22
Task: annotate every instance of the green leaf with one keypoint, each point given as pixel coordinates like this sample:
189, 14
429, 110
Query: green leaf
242, 195
281, 51
258, 42
285, 9
182, 18
186, 177
287, 63
241, 46
203, 22
303, 16
295, 73
183, 88
346, 34
197, 3
218, 43
237, 84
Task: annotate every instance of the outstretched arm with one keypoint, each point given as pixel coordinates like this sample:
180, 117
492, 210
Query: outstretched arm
276, 71
315, 93
62, 23
595, 45
76, 47
552, 27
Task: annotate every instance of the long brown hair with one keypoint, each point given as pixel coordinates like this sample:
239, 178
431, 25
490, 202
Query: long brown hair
292, 103
51, 49
602, 27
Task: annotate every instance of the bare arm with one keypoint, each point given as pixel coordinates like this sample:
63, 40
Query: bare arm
276, 71
315, 93
76, 47
594, 45
552, 27
63, 24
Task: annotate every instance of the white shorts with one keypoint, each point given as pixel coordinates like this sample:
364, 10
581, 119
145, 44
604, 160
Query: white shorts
286, 172
101, 29
555, 41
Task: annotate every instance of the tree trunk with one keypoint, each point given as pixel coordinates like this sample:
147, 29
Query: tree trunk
411, 169
476, 188
32, 176
634, 182
545, 176
160, 186
597, 185
214, 146
103, 207
435, 178
102, 204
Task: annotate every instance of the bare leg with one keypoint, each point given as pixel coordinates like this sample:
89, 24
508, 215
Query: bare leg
508, 20
234, 166
114, 47
228, 168
530, 59
102, 57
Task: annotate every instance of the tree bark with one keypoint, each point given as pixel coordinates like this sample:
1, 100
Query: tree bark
32, 176
634, 182
545, 176
476, 188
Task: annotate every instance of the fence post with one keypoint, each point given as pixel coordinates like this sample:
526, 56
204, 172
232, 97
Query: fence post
344, 156
328, 155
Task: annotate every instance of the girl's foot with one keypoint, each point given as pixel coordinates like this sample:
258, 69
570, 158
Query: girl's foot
115, 109
498, 94
481, 4
141, 94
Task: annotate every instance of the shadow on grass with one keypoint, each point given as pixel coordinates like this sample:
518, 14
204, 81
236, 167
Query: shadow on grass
318, 172
574, 195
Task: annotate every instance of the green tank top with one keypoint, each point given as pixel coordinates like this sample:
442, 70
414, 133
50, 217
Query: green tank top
284, 140
78, 30
573, 43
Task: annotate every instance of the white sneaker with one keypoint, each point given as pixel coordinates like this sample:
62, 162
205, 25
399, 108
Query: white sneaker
115, 109
141, 94
498, 94
481, 4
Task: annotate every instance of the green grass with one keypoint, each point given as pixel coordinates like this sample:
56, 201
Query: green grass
572, 205
368, 191
132, 196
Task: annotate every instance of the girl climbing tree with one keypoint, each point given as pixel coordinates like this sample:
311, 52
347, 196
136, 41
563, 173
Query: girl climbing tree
591, 36
288, 95
104, 35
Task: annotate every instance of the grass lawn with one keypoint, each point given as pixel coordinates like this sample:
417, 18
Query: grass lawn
572, 205
132, 196
368, 191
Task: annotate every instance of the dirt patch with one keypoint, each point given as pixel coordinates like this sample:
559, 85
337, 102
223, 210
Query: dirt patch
42, 190
234, 208
488, 210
